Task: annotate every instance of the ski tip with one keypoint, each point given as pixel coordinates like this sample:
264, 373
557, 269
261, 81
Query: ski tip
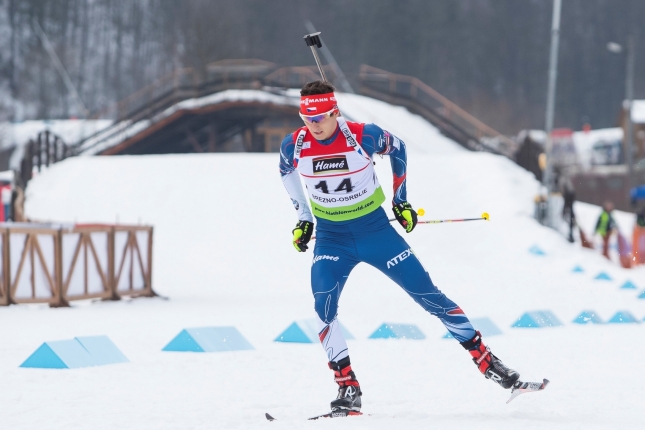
527, 387
514, 394
269, 417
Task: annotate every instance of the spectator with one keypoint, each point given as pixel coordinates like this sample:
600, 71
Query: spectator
569, 195
605, 226
18, 205
640, 217
638, 238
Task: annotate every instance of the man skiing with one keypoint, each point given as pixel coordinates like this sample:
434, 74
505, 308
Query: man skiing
334, 157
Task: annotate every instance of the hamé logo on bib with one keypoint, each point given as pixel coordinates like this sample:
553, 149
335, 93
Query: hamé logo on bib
330, 164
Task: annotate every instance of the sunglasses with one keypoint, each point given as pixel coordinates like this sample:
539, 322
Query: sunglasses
311, 119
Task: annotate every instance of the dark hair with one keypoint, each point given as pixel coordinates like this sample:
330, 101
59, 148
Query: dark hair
317, 87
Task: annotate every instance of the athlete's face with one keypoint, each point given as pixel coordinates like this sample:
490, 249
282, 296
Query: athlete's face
323, 129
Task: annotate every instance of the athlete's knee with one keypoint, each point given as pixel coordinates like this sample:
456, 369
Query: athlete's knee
430, 298
421, 284
326, 305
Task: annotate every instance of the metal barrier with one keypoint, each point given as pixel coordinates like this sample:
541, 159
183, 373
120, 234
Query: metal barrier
48, 263
453, 121
48, 148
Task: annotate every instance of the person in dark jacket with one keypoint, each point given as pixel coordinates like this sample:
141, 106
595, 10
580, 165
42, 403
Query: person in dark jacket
569, 195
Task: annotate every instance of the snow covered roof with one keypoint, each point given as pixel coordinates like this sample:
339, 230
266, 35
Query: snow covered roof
584, 141
638, 111
126, 129
537, 136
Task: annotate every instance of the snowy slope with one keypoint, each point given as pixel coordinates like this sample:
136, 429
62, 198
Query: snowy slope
223, 256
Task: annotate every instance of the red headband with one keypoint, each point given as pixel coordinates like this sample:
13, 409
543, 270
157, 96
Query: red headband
317, 103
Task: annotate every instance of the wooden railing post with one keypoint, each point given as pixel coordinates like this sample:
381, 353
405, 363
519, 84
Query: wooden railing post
5, 300
149, 274
110, 269
59, 295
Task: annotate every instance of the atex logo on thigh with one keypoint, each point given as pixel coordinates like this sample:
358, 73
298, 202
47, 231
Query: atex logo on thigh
399, 258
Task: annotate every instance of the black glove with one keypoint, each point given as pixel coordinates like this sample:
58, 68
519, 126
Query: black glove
405, 215
302, 235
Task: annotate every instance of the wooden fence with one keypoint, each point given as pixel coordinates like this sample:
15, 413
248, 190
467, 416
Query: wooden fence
47, 263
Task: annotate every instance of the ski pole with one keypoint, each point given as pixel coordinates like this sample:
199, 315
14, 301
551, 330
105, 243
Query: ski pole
422, 212
313, 40
484, 216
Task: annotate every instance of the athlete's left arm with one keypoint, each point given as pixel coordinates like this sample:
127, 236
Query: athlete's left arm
378, 141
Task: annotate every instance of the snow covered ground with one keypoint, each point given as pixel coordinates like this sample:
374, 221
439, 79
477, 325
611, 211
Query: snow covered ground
223, 256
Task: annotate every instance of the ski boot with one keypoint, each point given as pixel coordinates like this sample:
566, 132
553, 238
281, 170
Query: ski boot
349, 392
488, 364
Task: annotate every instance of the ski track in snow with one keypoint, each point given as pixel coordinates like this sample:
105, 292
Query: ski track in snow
223, 256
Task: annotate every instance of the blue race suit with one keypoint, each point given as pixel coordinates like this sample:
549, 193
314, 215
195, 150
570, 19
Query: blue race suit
341, 245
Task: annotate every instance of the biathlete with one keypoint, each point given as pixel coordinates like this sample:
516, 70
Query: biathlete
334, 157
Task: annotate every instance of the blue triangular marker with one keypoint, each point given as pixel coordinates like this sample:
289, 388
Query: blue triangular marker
183, 342
526, 321
72, 353
547, 319
535, 250
588, 317
219, 339
628, 285
578, 269
602, 276
623, 317
102, 350
537, 319
77, 352
383, 332
642, 295
408, 331
44, 358
398, 331
293, 333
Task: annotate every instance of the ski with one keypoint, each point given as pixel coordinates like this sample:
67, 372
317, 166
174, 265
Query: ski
527, 387
338, 413
333, 414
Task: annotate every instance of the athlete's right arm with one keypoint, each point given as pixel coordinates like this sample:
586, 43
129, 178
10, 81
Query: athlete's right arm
291, 180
